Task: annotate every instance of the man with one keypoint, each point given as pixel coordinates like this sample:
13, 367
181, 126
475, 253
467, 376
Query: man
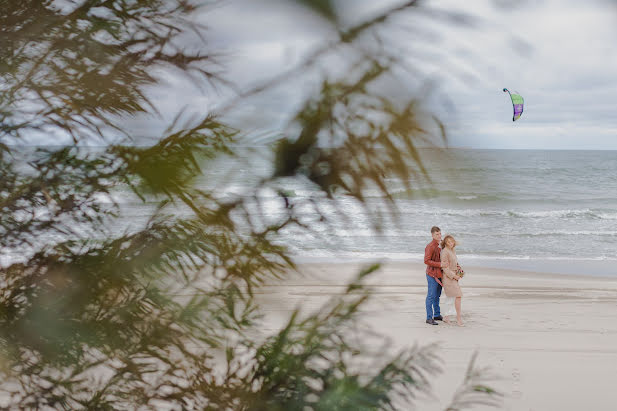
432, 258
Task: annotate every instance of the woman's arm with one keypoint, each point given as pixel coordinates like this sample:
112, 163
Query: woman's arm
455, 270
447, 271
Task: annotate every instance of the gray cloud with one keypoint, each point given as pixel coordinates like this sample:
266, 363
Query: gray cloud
561, 55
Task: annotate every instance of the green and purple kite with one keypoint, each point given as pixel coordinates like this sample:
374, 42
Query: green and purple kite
517, 104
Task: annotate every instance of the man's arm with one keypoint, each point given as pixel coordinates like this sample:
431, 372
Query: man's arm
428, 251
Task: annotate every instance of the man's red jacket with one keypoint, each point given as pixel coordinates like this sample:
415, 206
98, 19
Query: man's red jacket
432, 258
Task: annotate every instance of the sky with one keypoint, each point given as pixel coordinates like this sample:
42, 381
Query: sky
561, 55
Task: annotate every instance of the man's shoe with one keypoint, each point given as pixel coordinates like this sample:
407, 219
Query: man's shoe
431, 322
438, 318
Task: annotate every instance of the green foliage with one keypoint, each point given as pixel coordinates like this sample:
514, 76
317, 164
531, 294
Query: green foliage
76, 66
475, 389
323, 7
164, 315
310, 363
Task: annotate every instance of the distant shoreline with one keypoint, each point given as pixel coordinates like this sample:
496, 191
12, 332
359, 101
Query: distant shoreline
561, 267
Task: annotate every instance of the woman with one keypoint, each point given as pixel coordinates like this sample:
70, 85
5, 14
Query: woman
450, 278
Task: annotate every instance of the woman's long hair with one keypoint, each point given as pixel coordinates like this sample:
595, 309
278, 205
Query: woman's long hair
443, 242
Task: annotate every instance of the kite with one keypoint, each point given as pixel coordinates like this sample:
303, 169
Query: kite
517, 104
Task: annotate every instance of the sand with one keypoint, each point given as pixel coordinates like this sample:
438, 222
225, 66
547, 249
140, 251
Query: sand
550, 339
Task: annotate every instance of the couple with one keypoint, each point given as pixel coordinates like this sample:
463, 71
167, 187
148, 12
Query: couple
442, 265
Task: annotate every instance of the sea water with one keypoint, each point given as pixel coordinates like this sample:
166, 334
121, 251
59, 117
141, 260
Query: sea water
546, 210
539, 210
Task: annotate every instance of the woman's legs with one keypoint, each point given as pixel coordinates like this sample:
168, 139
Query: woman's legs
449, 303
457, 305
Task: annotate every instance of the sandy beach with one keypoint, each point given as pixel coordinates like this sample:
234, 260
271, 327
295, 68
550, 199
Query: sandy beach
551, 339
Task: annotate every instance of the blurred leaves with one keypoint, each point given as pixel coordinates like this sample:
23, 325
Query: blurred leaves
476, 389
162, 313
309, 363
379, 139
74, 70
169, 166
324, 7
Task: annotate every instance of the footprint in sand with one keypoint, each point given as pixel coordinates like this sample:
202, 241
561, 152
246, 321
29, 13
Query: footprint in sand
516, 377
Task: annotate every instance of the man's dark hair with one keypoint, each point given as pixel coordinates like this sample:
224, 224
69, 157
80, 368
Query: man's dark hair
435, 229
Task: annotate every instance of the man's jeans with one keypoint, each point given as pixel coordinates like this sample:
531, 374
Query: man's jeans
432, 298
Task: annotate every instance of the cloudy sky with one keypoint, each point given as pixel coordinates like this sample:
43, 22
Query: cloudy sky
561, 55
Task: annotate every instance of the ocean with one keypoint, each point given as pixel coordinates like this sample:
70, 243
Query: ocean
537, 210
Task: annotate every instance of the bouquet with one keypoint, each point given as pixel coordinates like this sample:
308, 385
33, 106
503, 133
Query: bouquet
459, 271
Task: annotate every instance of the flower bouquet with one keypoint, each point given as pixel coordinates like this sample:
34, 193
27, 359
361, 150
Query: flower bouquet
459, 271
